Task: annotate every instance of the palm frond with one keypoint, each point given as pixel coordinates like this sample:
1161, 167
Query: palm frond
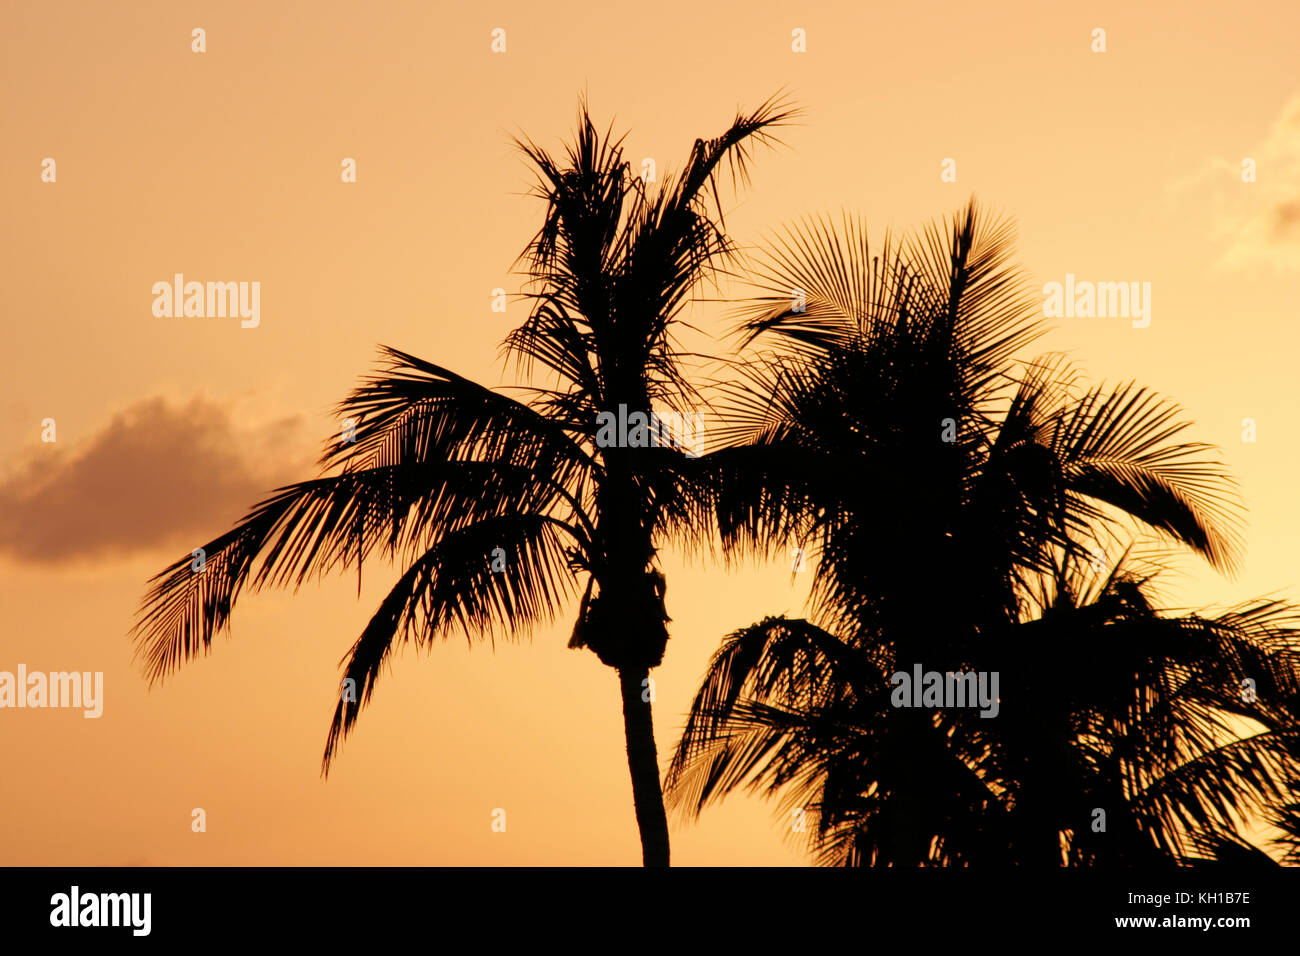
462, 581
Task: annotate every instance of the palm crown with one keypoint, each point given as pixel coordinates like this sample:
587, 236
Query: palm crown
498, 508
953, 505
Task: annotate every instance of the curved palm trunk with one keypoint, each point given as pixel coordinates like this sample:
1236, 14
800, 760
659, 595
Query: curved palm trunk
643, 763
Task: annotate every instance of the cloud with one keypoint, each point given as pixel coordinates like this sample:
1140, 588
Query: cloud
1286, 221
157, 474
1255, 223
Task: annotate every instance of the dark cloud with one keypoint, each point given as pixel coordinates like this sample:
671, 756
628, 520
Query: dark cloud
1285, 221
156, 474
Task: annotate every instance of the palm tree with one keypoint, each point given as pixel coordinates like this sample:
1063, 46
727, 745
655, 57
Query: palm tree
1146, 724
1154, 723
942, 493
498, 508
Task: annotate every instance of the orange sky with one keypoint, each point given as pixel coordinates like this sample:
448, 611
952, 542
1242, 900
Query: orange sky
1117, 166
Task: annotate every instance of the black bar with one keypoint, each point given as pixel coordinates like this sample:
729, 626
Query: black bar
722, 906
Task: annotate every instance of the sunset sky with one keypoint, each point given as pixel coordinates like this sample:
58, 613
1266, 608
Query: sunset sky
225, 166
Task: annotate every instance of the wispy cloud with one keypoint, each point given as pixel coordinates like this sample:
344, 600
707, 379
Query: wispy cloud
1255, 223
157, 474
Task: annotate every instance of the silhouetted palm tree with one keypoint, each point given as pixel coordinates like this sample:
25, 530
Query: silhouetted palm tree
1149, 719
949, 504
1146, 723
498, 508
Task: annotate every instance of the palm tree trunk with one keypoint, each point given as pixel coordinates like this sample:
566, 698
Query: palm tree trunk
643, 763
